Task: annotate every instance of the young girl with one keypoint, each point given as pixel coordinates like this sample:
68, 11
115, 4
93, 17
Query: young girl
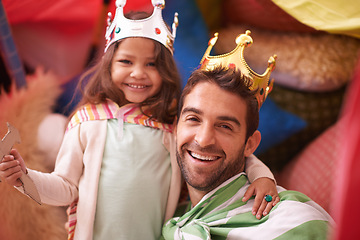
116, 159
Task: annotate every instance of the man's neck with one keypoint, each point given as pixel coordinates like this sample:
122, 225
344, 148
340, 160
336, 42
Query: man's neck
195, 195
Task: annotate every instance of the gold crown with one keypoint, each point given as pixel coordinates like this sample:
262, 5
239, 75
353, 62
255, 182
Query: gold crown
235, 59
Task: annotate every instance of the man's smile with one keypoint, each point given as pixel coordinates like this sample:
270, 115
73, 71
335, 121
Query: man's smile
203, 157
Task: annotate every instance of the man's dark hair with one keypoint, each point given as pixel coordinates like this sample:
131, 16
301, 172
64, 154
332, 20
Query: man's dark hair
230, 80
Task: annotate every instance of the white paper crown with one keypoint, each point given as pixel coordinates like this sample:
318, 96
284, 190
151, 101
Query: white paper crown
152, 27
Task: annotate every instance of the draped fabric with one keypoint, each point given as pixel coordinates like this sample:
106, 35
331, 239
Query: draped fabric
335, 16
346, 194
221, 214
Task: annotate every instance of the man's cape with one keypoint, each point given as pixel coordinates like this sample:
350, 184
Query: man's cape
221, 214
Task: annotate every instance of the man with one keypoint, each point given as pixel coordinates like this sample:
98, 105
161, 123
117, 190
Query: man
216, 130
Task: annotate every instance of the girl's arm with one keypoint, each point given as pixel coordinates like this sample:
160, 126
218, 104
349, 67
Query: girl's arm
262, 183
60, 187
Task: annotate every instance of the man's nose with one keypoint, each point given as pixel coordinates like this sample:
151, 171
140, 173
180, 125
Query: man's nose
205, 135
138, 72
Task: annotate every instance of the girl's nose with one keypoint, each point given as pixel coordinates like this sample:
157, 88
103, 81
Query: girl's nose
138, 72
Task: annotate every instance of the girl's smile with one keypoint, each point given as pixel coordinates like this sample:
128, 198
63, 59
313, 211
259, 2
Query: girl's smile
134, 71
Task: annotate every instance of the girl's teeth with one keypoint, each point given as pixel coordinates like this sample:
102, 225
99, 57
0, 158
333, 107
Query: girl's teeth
136, 86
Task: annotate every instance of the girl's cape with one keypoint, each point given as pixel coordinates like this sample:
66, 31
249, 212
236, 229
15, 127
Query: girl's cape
130, 113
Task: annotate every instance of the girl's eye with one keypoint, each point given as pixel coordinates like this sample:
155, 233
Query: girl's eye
124, 61
151, 64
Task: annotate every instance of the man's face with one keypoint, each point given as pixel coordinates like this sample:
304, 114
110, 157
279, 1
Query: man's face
211, 136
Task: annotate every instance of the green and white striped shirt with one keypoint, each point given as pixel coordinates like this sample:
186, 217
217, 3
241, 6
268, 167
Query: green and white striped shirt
221, 214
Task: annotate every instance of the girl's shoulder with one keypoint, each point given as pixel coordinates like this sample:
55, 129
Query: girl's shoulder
91, 112
130, 113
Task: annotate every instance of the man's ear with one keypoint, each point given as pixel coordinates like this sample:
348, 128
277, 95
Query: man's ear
252, 143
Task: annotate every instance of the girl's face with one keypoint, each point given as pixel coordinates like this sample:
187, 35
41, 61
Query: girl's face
134, 71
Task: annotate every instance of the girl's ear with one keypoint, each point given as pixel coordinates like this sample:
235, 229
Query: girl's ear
252, 143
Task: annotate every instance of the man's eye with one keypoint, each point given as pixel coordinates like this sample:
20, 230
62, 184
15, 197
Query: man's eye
225, 126
192, 119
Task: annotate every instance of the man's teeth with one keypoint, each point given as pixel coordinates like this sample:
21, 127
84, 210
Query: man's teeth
137, 86
203, 158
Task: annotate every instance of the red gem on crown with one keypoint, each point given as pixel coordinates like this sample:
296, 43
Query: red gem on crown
232, 66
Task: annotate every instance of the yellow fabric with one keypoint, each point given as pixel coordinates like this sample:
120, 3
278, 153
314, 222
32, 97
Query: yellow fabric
333, 16
211, 12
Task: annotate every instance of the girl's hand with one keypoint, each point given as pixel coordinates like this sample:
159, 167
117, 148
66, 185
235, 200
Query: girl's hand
12, 167
262, 187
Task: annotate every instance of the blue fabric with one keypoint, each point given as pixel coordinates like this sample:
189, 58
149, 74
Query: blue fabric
192, 35
276, 125
64, 104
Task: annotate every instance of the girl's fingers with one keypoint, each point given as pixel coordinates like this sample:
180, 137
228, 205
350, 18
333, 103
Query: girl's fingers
261, 209
18, 157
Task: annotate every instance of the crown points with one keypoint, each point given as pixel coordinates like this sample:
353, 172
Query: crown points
235, 59
158, 3
244, 39
176, 20
109, 19
120, 3
152, 27
214, 39
175, 24
271, 62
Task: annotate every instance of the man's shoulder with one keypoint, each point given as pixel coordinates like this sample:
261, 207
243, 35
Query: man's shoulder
297, 208
296, 216
287, 195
